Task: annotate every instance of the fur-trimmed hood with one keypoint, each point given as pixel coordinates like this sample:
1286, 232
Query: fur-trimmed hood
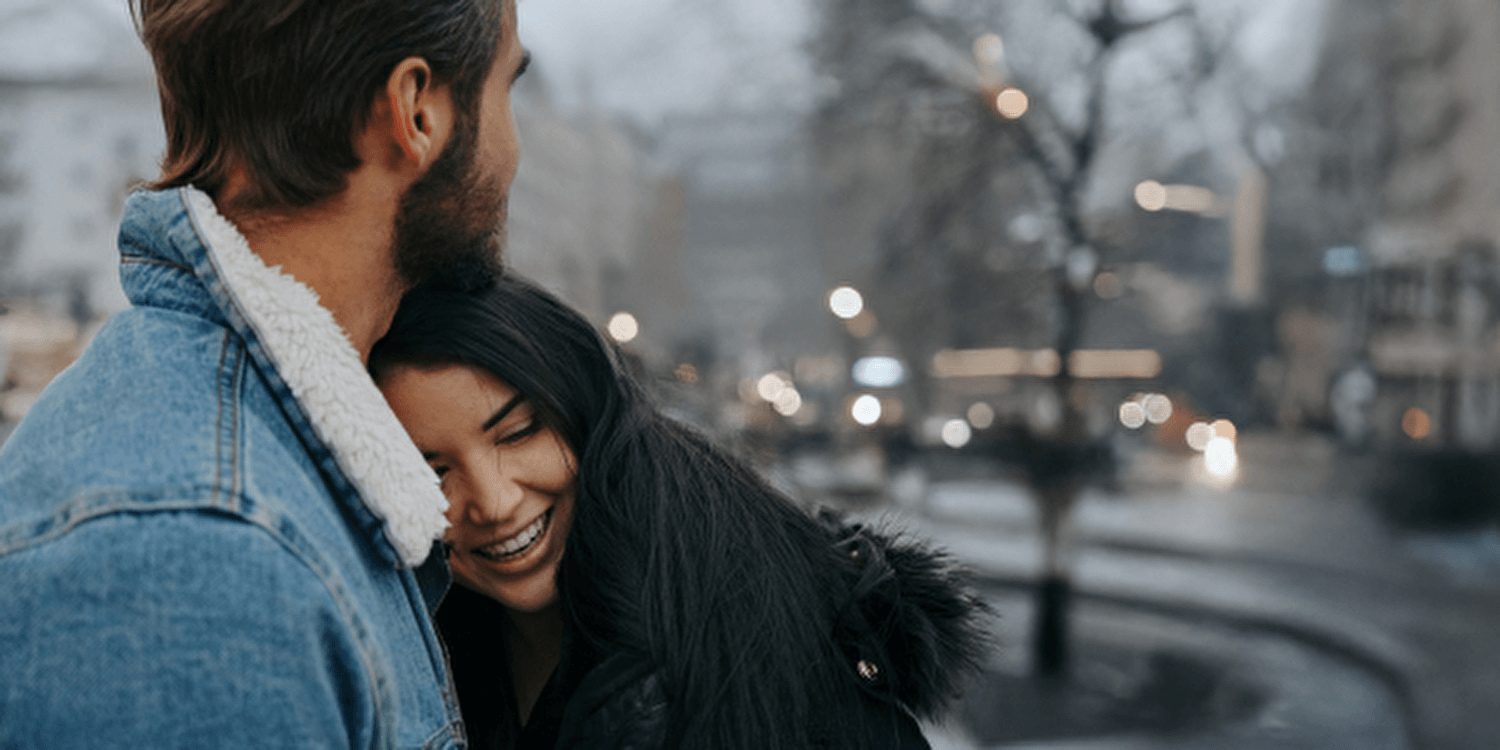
913, 627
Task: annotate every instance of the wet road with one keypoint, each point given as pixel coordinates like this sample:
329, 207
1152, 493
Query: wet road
1362, 636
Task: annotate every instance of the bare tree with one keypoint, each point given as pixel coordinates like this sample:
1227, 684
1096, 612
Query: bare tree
935, 135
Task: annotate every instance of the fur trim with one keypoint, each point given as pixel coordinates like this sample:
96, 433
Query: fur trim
914, 614
313, 355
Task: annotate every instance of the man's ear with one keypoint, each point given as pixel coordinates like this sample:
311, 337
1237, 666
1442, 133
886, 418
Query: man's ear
418, 114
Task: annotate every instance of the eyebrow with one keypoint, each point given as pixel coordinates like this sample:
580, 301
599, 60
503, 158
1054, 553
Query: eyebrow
521, 69
506, 408
501, 413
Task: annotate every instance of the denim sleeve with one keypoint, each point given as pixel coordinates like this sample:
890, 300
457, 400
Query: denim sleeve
175, 630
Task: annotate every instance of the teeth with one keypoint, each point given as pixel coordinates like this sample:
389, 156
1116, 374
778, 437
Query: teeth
518, 543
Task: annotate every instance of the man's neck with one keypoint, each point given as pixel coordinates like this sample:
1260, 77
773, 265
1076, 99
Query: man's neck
343, 252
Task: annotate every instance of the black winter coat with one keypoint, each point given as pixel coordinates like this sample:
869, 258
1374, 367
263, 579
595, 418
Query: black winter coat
910, 629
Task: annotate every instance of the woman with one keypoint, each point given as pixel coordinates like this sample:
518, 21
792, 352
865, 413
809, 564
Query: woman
623, 582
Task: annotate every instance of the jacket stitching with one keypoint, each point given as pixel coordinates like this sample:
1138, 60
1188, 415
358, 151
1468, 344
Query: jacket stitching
131, 259
375, 678
237, 429
98, 504
445, 737
219, 420
103, 504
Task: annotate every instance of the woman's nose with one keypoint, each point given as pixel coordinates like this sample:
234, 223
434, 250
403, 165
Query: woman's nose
493, 499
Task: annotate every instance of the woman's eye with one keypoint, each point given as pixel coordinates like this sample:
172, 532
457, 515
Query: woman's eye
521, 432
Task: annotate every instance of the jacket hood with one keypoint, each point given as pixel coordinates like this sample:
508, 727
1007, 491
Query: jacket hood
913, 626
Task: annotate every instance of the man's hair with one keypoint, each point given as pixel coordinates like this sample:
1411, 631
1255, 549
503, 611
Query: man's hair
279, 88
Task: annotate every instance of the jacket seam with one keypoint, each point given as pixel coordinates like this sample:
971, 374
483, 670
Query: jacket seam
227, 436
375, 679
98, 504
218, 483
134, 260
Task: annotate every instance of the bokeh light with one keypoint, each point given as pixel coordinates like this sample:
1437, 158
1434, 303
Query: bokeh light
623, 327
1012, 103
988, 49
770, 385
1158, 408
956, 433
861, 326
1151, 195
1107, 285
1198, 435
787, 402
1416, 424
981, 415
1220, 457
1225, 429
865, 410
879, 372
1132, 415
845, 302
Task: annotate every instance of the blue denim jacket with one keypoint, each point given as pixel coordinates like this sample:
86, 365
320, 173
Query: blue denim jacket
190, 555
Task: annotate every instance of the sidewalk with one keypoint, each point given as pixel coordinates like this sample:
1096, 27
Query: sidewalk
1420, 614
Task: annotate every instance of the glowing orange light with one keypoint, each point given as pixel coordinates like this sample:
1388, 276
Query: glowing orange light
1416, 424
1225, 429
1012, 103
862, 325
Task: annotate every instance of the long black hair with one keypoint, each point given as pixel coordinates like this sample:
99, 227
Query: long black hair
679, 551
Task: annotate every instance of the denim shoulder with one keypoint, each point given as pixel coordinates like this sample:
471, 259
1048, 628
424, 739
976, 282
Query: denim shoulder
163, 629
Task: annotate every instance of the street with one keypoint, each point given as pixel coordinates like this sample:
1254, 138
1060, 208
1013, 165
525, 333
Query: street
1255, 616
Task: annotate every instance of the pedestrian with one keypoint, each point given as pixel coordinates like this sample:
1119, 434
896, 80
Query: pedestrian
623, 583
212, 529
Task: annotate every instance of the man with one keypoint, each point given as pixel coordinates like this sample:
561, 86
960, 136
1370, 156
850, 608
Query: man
211, 524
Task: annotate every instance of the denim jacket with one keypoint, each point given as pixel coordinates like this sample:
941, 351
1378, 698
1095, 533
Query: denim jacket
212, 528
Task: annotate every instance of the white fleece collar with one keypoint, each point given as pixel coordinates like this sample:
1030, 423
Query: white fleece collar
313, 355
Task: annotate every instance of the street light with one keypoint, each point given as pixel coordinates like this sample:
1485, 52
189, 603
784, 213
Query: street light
846, 302
865, 410
1153, 196
623, 327
1012, 102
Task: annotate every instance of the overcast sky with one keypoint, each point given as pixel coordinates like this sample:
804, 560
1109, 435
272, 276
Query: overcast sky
647, 58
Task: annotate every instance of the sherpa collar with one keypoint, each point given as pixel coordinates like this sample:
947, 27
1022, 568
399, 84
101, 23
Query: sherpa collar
313, 355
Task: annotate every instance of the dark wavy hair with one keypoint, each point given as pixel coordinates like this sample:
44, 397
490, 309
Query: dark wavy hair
678, 551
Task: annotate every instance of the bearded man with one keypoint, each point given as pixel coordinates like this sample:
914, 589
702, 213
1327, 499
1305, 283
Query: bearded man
213, 531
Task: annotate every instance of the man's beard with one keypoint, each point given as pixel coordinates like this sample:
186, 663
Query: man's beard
450, 228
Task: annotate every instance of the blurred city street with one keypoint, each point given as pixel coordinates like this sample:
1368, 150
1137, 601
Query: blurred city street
1178, 321
1313, 624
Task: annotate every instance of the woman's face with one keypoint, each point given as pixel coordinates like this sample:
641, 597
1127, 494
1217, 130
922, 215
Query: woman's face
509, 480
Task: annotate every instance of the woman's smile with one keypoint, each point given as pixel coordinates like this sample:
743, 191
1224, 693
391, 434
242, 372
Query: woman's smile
508, 477
516, 547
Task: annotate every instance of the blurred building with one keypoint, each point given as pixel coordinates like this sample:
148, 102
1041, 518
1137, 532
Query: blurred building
731, 280
1384, 230
581, 203
79, 126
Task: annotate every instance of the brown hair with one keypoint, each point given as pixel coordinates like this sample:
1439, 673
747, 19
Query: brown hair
280, 87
